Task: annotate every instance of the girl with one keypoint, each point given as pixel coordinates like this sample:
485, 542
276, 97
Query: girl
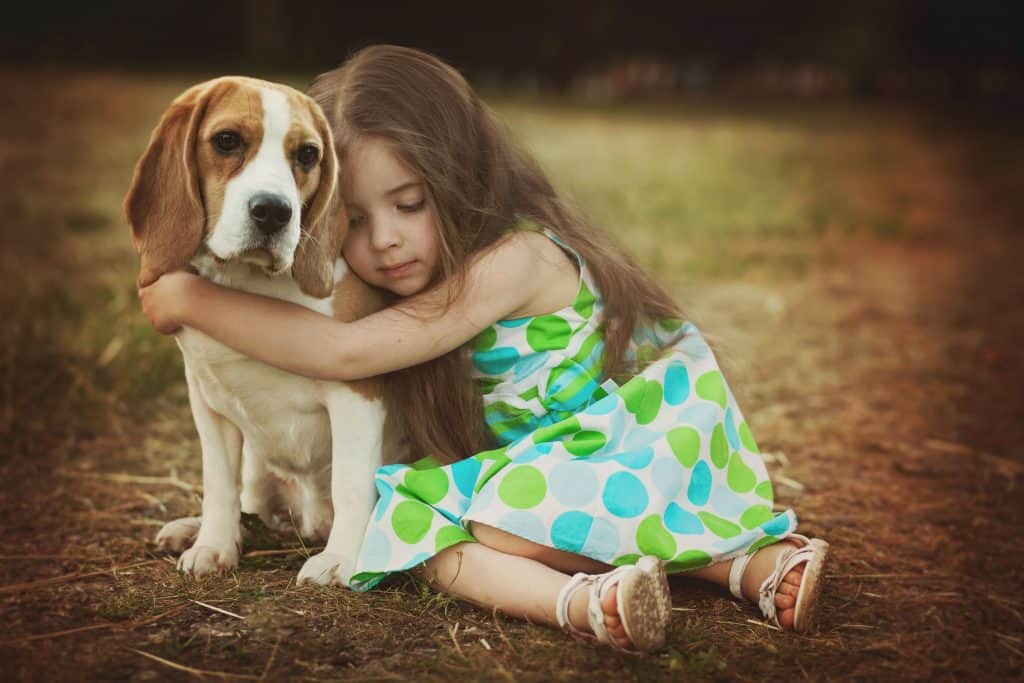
574, 421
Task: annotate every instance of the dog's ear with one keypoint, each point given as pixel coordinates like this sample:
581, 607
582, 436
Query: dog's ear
164, 203
323, 225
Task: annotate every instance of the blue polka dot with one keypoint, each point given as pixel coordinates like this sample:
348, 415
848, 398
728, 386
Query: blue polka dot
525, 525
570, 530
495, 361
678, 520
725, 502
677, 384
515, 322
385, 492
693, 344
638, 438
388, 470
417, 559
526, 366
573, 484
700, 484
603, 541
375, 555
465, 472
624, 495
777, 526
667, 476
604, 406
703, 415
730, 430
636, 460
532, 452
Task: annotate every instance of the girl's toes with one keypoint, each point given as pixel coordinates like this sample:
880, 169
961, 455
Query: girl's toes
610, 603
784, 601
786, 617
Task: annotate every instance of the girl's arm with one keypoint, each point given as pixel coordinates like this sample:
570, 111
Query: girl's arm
499, 281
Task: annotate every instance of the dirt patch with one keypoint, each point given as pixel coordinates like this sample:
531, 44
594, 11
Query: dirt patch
883, 383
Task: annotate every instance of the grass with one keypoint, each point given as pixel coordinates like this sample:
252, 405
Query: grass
860, 278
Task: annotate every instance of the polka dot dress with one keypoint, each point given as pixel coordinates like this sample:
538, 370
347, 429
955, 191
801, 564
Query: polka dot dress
663, 465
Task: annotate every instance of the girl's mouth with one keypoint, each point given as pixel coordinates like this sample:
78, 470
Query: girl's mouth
399, 270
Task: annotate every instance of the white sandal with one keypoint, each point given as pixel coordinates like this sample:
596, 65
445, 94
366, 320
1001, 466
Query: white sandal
644, 604
814, 553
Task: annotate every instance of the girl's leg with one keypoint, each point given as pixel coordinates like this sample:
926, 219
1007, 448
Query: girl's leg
521, 578
761, 565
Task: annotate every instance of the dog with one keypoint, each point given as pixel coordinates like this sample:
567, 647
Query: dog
239, 181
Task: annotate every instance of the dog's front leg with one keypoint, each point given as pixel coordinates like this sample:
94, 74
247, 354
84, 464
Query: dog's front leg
219, 540
356, 452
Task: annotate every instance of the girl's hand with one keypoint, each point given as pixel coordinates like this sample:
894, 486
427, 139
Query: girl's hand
164, 300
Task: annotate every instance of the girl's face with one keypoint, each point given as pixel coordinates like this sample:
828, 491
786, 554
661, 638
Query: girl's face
392, 239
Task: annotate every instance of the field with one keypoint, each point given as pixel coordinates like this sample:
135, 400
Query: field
857, 269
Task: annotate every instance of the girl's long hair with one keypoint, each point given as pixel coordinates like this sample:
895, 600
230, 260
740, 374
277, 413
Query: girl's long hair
480, 185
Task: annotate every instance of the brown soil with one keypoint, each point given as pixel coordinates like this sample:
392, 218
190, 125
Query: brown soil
884, 387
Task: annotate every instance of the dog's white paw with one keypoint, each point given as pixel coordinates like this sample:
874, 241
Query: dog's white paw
179, 534
204, 560
327, 569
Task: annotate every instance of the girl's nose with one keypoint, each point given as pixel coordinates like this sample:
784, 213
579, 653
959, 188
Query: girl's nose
385, 236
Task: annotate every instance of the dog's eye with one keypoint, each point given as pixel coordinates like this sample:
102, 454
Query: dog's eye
307, 155
227, 141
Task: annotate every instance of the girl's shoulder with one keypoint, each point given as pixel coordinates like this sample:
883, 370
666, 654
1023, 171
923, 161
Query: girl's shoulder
545, 269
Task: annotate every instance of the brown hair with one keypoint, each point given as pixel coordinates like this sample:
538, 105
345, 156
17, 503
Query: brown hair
480, 186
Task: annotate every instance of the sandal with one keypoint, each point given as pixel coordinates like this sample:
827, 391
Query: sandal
814, 553
644, 604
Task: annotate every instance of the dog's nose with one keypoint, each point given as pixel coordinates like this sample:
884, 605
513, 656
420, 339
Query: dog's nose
270, 212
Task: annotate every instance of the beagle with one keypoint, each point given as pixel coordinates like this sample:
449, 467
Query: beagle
239, 181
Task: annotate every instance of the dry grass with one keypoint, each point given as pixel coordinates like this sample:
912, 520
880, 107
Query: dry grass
859, 275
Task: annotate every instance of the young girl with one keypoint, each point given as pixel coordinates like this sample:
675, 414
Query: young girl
575, 422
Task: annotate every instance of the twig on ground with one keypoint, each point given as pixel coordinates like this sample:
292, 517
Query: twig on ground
195, 672
283, 551
74, 576
58, 634
270, 660
171, 480
217, 609
453, 631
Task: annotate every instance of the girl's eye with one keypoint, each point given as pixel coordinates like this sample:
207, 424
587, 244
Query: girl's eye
412, 208
355, 222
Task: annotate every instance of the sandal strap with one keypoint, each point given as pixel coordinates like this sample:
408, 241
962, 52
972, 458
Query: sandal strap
784, 563
565, 597
736, 571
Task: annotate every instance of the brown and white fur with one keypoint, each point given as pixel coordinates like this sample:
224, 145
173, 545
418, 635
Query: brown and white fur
285, 447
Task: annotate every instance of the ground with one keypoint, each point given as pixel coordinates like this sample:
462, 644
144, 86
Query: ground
856, 267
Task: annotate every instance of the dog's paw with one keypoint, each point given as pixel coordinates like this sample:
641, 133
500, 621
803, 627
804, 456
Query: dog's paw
204, 560
179, 534
327, 569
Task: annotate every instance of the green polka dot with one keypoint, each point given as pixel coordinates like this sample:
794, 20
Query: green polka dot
670, 324
449, 536
622, 560
411, 521
523, 487
584, 304
653, 539
486, 384
748, 438
760, 543
485, 339
688, 560
585, 442
647, 353
711, 387
740, 477
685, 443
643, 399
548, 332
719, 447
556, 431
764, 489
755, 516
719, 527
429, 485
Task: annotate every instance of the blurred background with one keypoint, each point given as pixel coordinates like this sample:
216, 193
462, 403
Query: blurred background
831, 190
